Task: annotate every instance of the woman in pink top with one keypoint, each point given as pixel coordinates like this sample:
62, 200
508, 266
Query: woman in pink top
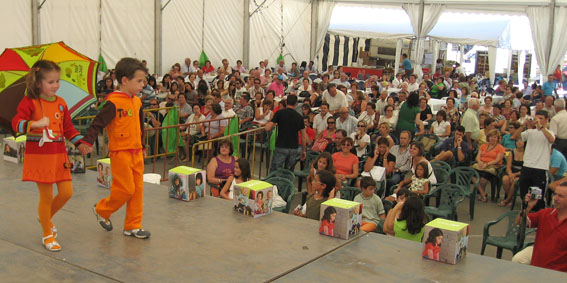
345, 161
277, 86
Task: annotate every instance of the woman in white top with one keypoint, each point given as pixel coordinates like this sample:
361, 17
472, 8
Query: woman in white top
389, 117
193, 129
524, 113
369, 116
441, 128
361, 139
241, 174
305, 86
263, 114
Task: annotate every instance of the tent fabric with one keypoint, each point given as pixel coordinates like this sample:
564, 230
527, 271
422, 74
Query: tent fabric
265, 31
16, 19
324, 13
75, 22
539, 23
127, 30
224, 29
559, 46
340, 50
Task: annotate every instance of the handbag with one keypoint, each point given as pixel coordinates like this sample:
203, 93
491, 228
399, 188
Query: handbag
490, 169
320, 145
377, 173
428, 143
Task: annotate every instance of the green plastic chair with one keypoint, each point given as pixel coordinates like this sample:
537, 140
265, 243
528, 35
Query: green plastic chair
286, 189
348, 193
510, 240
450, 196
441, 164
442, 176
303, 173
284, 173
463, 176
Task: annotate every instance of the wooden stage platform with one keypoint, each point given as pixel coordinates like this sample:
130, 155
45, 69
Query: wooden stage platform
206, 241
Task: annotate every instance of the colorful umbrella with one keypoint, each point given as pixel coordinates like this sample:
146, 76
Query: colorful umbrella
78, 77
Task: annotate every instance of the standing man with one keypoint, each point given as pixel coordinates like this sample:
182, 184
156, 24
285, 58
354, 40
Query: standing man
548, 87
406, 64
537, 155
471, 123
289, 124
559, 126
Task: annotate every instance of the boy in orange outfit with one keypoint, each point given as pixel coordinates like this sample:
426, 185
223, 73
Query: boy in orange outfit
123, 118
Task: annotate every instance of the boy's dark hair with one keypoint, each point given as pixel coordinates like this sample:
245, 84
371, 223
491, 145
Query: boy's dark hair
244, 168
383, 140
460, 129
127, 67
328, 179
543, 113
366, 182
403, 192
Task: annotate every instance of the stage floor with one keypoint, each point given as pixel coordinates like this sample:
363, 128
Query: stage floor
206, 241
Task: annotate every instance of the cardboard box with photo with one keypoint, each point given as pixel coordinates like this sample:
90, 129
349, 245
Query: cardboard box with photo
340, 218
103, 173
253, 198
187, 183
14, 149
76, 160
445, 240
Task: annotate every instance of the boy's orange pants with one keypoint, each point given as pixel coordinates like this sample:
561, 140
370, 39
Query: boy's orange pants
368, 227
127, 187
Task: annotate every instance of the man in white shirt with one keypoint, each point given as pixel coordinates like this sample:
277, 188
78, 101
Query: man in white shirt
320, 120
537, 154
413, 85
527, 91
335, 98
195, 67
281, 64
344, 80
346, 122
398, 81
559, 126
381, 102
228, 111
186, 66
225, 67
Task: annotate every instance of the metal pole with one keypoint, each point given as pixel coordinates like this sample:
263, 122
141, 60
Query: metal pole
246, 35
314, 28
35, 22
157, 36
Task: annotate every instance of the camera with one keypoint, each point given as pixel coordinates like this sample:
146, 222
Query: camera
530, 118
535, 193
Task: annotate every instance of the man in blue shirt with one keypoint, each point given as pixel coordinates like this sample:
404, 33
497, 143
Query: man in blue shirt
558, 164
548, 87
406, 64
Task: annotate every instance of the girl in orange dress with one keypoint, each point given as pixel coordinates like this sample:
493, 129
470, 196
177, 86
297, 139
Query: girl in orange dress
44, 118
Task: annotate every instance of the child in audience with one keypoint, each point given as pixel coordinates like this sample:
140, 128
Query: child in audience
241, 174
372, 207
323, 186
418, 183
322, 162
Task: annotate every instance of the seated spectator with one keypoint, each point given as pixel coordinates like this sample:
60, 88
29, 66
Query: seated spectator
438, 88
335, 146
489, 125
323, 187
507, 140
407, 219
308, 130
441, 128
390, 117
214, 129
335, 98
241, 174
403, 159
207, 68
381, 157
153, 119
558, 164
345, 161
453, 150
228, 111
372, 208
452, 111
245, 112
323, 162
370, 117
264, 113
306, 111
361, 139
525, 113
488, 159
425, 111
514, 163
184, 108
417, 183
487, 107
416, 151
221, 167
359, 103
346, 121
193, 131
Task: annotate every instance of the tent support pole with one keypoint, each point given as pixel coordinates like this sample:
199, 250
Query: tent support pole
314, 28
157, 36
35, 22
549, 42
246, 35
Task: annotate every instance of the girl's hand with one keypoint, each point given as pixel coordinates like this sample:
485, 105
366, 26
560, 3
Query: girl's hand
43, 122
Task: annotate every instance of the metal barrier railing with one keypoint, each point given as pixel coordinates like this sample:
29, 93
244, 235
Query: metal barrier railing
247, 133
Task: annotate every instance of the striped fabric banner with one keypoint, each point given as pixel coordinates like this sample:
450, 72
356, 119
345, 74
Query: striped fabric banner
340, 50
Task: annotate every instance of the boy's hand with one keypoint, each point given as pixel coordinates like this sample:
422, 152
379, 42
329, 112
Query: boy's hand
84, 149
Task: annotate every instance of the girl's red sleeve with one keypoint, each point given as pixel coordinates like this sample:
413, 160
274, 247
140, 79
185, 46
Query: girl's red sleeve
69, 131
22, 121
